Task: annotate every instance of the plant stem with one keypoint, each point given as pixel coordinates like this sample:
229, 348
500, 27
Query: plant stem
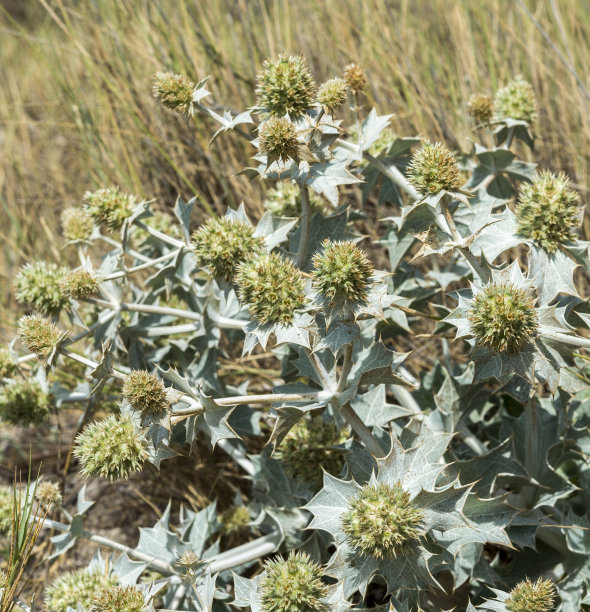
237, 455
346, 367
251, 551
361, 430
305, 227
144, 266
90, 363
160, 235
567, 338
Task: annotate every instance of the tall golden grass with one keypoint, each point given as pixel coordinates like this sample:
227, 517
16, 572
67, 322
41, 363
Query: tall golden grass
76, 109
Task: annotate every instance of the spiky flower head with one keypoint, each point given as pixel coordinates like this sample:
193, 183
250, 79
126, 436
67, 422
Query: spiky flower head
48, 494
77, 225
332, 93
78, 587
278, 140
6, 508
356, 78
433, 169
342, 272
118, 599
223, 243
110, 448
39, 285
188, 559
40, 335
80, 284
292, 585
529, 596
109, 206
272, 287
285, 86
7, 363
24, 402
517, 101
382, 521
175, 91
235, 519
480, 107
284, 200
503, 317
309, 447
548, 211
146, 393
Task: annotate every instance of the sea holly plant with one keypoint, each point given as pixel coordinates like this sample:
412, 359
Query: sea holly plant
390, 361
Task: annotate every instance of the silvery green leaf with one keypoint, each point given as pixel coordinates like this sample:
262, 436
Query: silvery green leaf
287, 417
61, 544
213, 419
232, 122
202, 595
499, 233
198, 527
160, 543
183, 210
82, 504
434, 241
274, 230
339, 334
372, 127
325, 178
246, 592
373, 409
179, 382
297, 333
127, 570
553, 273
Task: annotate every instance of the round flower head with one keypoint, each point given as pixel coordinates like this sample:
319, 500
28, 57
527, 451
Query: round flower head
332, 93
516, 101
382, 521
285, 86
77, 225
109, 206
355, 77
39, 284
292, 585
110, 448
188, 559
6, 508
309, 447
235, 519
548, 211
278, 140
118, 599
146, 393
24, 403
40, 335
48, 494
79, 284
272, 287
529, 596
433, 168
284, 200
7, 363
342, 272
480, 107
175, 91
503, 318
73, 588
223, 243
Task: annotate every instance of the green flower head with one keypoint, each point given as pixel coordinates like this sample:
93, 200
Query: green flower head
24, 403
433, 169
516, 101
278, 140
529, 596
40, 335
80, 284
109, 206
175, 91
73, 588
480, 107
332, 93
39, 284
118, 599
235, 519
77, 225
146, 393
355, 77
7, 363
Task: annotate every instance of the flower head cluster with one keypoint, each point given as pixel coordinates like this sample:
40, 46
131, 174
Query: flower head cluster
356, 78
24, 403
278, 140
77, 225
529, 596
48, 494
79, 284
175, 91
503, 317
109, 206
223, 243
332, 93
342, 272
79, 587
40, 335
284, 200
146, 393
548, 211
285, 86
272, 287
382, 521
433, 169
481, 107
7, 363
110, 448
6, 508
292, 585
235, 519
516, 101
118, 599
39, 284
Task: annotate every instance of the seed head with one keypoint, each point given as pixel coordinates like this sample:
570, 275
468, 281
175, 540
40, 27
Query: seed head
332, 93
80, 284
146, 393
188, 559
503, 318
48, 494
292, 585
284, 200
342, 272
7, 363
272, 287
517, 101
356, 78
77, 225
6, 509
480, 107
110, 448
529, 596
382, 521
41, 336
73, 588
285, 86
235, 519
24, 403
222, 244
548, 211
309, 447
118, 599
433, 168
174, 91
39, 284
278, 140
109, 206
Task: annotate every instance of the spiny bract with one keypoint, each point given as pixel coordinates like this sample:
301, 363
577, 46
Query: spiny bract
481, 107
118, 599
146, 392
433, 169
516, 101
39, 284
79, 587
382, 521
332, 93
109, 206
174, 91
503, 318
278, 140
24, 403
529, 596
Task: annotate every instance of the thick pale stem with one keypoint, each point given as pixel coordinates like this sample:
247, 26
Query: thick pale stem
144, 266
90, 363
567, 339
361, 430
346, 367
247, 552
160, 235
305, 227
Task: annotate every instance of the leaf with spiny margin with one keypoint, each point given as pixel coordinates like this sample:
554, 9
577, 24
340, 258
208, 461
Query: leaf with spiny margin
373, 125
160, 543
434, 241
325, 178
497, 233
202, 593
230, 122
128, 570
102, 372
373, 409
183, 210
339, 334
179, 382
552, 273
197, 527
274, 230
246, 592
213, 419
295, 334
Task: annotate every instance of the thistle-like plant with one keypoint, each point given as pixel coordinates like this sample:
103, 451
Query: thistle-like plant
109, 206
77, 225
7, 363
80, 284
118, 599
332, 94
147, 394
25, 403
516, 101
278, 140
175, 91
434, 169
481, 107
40, 285
77, 587
355, 77
284, 200
48, 494
41, 336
